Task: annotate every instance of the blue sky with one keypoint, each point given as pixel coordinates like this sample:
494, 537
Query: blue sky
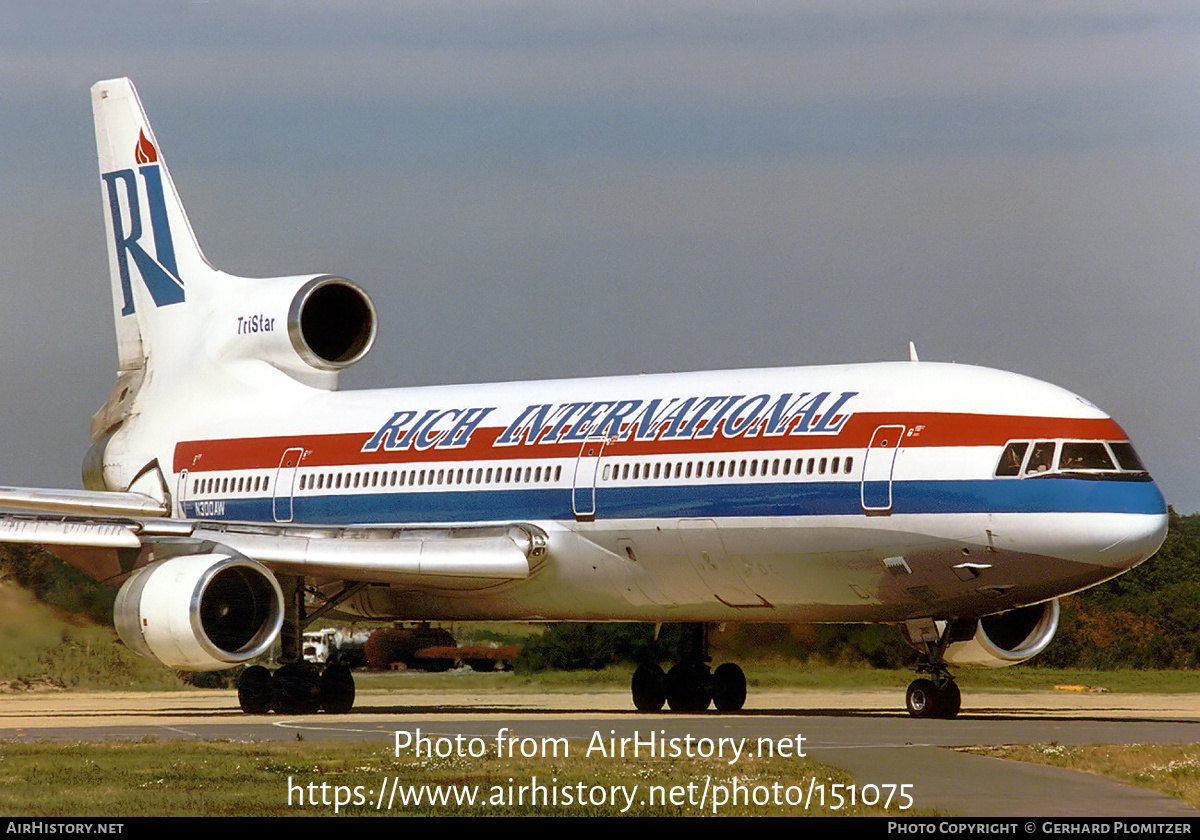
545, 189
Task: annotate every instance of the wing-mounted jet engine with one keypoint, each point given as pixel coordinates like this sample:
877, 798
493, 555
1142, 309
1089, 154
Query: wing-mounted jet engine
200, 612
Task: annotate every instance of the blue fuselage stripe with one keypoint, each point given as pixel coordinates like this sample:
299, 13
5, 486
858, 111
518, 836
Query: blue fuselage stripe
827, 498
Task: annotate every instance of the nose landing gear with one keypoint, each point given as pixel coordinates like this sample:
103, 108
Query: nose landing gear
935, 696
927, 699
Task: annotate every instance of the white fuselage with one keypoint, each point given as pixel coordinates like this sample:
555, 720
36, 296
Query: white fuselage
847, 493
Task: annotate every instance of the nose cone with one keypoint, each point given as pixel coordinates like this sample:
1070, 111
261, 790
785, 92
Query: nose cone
1140, 536
1115, 525
1126, 539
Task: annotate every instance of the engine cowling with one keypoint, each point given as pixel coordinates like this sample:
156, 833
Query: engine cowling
305, 326
1007, 638
200, 612
331, 323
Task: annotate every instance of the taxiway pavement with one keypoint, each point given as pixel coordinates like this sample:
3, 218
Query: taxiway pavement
866, 733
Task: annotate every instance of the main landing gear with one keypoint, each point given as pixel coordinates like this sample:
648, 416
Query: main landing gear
935, 696
689, 686
298, 687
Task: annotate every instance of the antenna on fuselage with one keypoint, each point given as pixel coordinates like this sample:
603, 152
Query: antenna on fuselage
912, 352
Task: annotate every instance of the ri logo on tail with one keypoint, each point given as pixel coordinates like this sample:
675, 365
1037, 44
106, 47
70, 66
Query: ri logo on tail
159, 271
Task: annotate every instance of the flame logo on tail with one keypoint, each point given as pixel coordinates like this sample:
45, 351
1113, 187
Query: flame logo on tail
145, 152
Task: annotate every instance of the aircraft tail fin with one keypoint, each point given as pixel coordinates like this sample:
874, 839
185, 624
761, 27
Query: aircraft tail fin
155, 264
186, 331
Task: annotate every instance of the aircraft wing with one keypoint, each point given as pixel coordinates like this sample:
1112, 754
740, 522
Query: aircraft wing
386, 555
128, 530
81, 502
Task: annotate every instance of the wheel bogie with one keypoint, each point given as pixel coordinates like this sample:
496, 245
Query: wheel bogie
297, 688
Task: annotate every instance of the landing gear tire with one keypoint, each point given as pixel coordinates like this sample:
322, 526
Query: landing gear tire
337, 690
926, 700
297, 689
936, 695
921, 699
649, 687
688, 687
256, 690
951, 700
728, 688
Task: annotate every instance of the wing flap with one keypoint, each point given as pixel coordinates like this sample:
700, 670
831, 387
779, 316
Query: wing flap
34, 530
102, 521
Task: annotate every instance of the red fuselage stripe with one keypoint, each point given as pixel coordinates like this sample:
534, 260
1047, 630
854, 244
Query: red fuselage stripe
921, 429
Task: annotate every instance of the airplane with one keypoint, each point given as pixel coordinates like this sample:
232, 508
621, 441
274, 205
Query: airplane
236, 495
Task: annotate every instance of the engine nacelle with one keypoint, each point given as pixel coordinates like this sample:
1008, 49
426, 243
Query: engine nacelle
200, 612
301, 325
1007, 638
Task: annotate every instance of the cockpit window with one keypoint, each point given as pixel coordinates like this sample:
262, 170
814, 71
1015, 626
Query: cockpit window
1042, 457
1010, 460
1126, 457
1085, 456
1076, 459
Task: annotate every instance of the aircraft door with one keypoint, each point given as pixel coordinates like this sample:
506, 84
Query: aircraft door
583, 488
877, 470
285, 479
182, 494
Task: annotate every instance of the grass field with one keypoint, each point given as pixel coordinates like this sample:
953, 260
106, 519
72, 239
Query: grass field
1171, 769
40, 645
295, 779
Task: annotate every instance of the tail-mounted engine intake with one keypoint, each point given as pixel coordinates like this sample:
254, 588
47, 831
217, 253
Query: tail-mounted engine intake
1007, 638
201, 612
308, 327
331, 323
